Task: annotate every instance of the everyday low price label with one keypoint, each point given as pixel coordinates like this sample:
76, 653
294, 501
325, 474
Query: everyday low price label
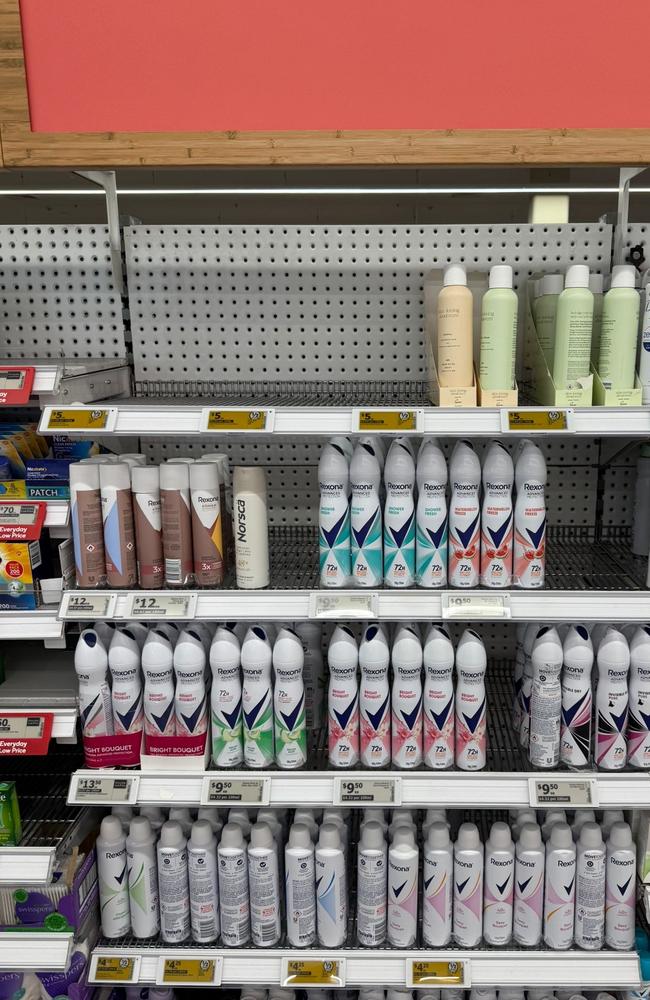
477, 604
157, 606
563, 792
78, 605
344, 606
114, 968
238, 419
16, 385
178, 971
91, 790
540, 421
367, 791
420, 974
24, 735
313, 972
399, 421
247, 791
79, 420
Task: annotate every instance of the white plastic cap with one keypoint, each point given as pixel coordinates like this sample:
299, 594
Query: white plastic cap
204, 476
111, 829
561, 835
468, 837
590, 835
501, 276
342, 650
577, 276
232, 835
202, 834
171, 834
454, 274
372, 836
530, 837
140, 831
552, 284
249, 479
84, 476
329, 836
596, 283
620, 836
299, 836
438, 836
175, 476
261, 836
623, 276
500, 837
403, 837
435, 814
116, 475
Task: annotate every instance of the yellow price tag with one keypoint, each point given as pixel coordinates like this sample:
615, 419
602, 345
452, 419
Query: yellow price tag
114, 969
437, 973
237, 420
199, 971
312, 972
387, 420
78, 420
538, 420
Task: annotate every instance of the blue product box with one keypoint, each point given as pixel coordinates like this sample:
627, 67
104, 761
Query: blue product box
48, 479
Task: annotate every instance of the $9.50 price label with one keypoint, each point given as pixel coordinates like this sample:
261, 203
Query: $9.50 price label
367, 791
227, 789
179, 970
422, 973
563, 792
313, 972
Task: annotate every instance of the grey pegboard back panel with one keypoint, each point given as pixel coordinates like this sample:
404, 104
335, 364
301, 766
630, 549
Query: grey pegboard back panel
57, 294
316, 302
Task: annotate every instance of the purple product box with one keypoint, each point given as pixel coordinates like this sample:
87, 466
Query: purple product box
44, 908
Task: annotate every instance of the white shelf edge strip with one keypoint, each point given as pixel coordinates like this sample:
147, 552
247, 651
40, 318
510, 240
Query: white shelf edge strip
41, 623
57, 514
374, 967
25, 950
26, 865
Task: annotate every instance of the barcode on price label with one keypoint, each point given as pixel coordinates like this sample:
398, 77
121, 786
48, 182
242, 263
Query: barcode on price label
421, 973
91, 790
367, 791
77, 605
313, 972
157, 606
570, 792
247, 791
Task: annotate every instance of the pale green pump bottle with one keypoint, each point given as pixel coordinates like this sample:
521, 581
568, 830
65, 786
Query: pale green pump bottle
573, 323
498, 331
620, 329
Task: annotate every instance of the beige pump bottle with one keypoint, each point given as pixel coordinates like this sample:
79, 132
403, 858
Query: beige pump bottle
455, 342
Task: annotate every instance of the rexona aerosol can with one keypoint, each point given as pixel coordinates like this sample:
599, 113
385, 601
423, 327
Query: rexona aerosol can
289, 701
438, 702
372, 875
234, 909
468, 887
437, 889
126, 692
498, 891
559, 888
497, 518
431, 516
577, 701
620, 882
173, 884
191, 699
403, 869
113, 879
257, 698
226, 699
613, 661
464, 516
343, 699
263, 887
529, 886
300, 887
526, 687
202, 874
365, 518
406, 699
143, 878
530, 518
399, 517
158, 670
331, 888
334, 517
546, 700
471, 729
374, 698
590, 889
638, 726
91, 667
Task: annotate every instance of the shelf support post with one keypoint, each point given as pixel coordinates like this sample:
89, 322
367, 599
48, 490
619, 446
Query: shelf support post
106, 179
625, 176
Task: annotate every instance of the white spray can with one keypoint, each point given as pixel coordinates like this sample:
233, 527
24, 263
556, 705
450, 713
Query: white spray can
437, 891
191, 703
431, 517
406, 719
300, 887
546, 700
620, 888
334, 517
91, 667
143, 878
264, 887
518, 676
372, 874
257, 698
471, 729
290, 722
530, 863
226, 700
374, 699
399, 517
638, 726
234, 910
403, 865
343, 699
497, 517
438, 702
577, 701
464, 517
559, 888
202, 872
313, 671
530, 519
126, 692
331, 888
613, 661
498, 891
173, 885
526, 688
158, 670
590, 889
365, 518
468, 887
112, 877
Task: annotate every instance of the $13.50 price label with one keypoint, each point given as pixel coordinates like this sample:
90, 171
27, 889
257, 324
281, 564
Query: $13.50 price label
367, 791
178, 970
422, 973
563, 792
247, 791
95, 790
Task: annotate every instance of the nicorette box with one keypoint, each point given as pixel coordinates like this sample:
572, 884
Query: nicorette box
47, 479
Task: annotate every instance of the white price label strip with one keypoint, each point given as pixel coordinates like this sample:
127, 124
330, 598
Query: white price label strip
90, 790
570, 792
158, 605
343, 607
227, 790
78, 605
477, 604
367, 791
